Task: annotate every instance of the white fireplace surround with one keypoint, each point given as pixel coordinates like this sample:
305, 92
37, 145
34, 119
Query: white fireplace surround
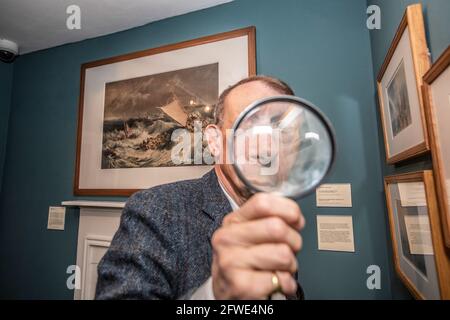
99, 220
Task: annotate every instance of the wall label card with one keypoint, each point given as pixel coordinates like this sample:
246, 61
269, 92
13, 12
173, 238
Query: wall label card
338, 195
56, 218
419, 235
335, 233
412, 194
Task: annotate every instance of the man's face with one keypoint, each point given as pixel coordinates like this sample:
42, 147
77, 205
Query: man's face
237, 100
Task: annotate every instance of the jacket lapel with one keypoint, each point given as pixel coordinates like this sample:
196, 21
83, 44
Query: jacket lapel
215, 203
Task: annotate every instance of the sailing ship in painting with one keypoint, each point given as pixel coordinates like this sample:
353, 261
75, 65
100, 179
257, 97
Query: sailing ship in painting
142, 113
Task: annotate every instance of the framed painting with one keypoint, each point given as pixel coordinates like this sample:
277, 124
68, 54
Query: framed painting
131, 106
420, 256
399, 89
436, 91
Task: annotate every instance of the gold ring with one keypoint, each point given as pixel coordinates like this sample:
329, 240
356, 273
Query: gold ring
276, 283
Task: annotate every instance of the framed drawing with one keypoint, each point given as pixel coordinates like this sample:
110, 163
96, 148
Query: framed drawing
130, 106
436, 91
399, 89
420, 256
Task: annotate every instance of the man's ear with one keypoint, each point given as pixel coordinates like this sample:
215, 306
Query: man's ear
213, 136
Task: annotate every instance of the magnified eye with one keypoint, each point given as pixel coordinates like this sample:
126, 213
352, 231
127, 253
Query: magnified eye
266, 165
264, 161
276, 119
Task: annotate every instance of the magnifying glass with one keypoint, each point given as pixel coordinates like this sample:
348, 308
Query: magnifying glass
282, 144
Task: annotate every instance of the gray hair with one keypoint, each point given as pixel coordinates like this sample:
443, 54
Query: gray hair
271, 82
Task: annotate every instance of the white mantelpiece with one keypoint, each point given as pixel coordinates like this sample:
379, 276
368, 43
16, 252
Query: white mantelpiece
93, 204
99, 221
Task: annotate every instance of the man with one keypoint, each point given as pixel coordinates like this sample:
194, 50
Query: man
207, 238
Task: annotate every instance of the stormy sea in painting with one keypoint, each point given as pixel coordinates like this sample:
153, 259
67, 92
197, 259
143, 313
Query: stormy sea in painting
142, 113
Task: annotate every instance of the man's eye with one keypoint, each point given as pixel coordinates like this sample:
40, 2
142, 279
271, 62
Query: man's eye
275, 119
264, 161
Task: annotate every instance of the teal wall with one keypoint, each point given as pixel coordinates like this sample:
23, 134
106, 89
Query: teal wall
321, 47
437, 24
6, 77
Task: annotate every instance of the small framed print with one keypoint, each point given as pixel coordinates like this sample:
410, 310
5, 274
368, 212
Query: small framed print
399, 89
132, 106
436, 92
420, 256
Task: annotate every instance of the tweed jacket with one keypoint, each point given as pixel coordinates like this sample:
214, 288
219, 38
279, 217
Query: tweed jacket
162, 249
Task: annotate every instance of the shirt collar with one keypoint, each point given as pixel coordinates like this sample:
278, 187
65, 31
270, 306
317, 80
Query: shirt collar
233, 203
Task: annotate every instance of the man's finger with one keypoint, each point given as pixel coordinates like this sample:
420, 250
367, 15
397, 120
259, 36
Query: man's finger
259, 284
263, 257
263, 205
262, 231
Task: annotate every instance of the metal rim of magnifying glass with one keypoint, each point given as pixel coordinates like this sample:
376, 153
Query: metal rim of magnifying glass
284, 98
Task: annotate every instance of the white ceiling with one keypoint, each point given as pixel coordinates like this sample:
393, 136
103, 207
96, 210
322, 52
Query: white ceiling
40, 24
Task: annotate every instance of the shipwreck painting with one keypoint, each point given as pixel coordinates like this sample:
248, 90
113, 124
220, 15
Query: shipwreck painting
140, 115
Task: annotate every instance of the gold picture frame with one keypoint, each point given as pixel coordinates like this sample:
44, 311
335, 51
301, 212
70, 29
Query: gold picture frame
399, 89
421, 258
436, 92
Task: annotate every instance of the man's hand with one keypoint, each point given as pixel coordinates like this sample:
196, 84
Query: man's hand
254, 242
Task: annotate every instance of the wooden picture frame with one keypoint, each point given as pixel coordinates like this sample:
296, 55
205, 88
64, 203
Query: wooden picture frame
232, 54
424, 265
436, 92
399, 89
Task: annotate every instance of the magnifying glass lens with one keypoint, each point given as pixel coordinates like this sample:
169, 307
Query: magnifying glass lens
282, 146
